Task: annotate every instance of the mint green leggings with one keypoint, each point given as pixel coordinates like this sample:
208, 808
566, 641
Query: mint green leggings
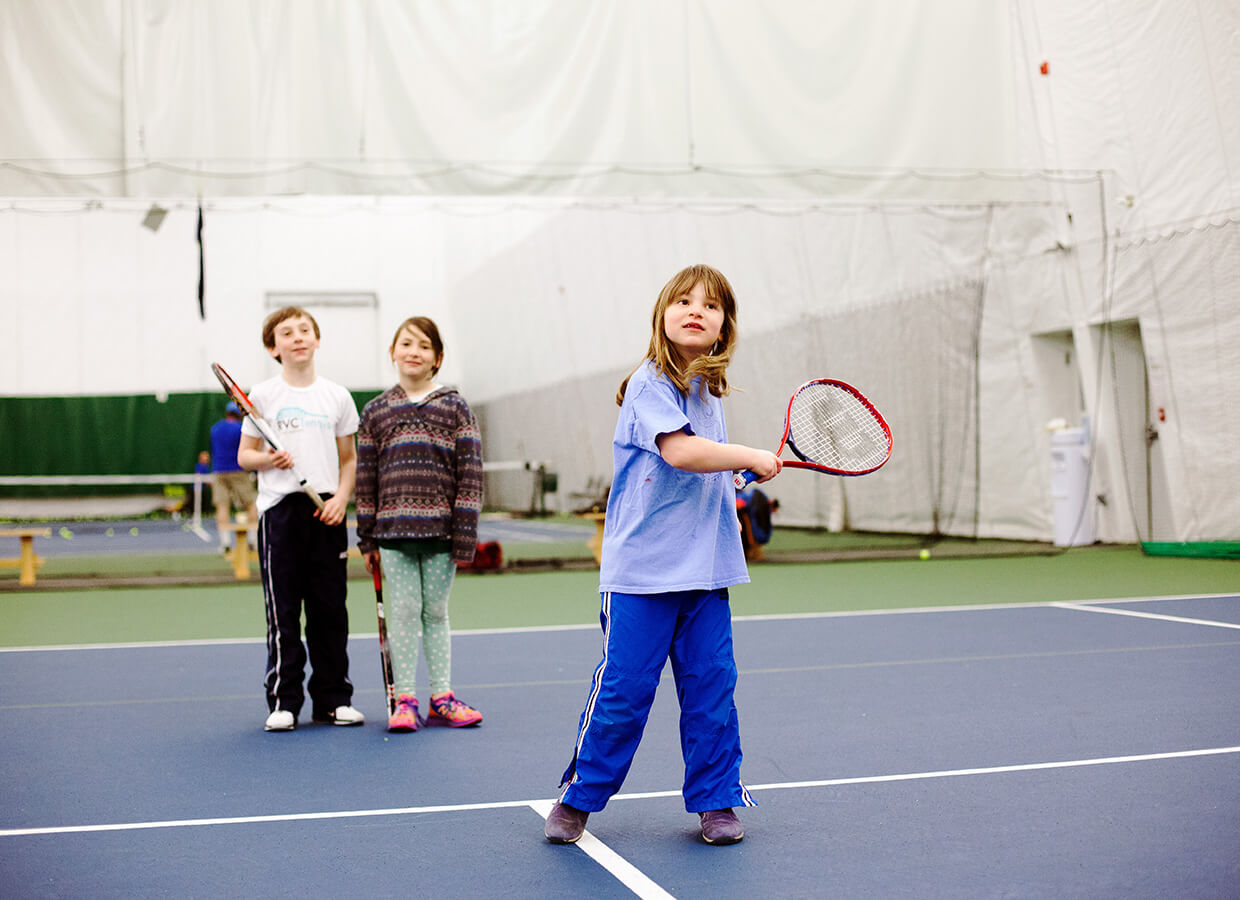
416, 608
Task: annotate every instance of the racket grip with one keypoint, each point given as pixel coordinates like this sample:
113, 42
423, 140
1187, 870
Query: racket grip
743, 479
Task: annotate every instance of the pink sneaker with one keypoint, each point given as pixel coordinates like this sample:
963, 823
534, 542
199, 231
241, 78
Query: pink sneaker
405, 716
448, 711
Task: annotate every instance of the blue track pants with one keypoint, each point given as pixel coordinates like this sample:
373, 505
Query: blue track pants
640, 632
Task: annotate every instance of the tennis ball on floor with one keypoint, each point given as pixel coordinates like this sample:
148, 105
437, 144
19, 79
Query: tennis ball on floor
65, 533
134, 531
924, 554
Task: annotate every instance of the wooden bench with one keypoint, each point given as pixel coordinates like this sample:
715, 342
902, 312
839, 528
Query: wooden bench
753, 550
241, 551
27, 564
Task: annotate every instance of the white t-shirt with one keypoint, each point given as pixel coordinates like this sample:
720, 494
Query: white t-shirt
422, 395
307, 420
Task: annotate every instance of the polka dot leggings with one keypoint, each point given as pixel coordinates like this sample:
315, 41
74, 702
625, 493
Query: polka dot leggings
416, 608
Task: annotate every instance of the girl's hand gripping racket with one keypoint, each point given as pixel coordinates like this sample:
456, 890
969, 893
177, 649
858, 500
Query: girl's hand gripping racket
832, 428
264, 428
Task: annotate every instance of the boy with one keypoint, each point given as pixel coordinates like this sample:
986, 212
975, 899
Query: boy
302, 550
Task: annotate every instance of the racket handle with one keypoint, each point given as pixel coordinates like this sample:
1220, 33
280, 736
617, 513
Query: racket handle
274, 442
743, 479
312, 494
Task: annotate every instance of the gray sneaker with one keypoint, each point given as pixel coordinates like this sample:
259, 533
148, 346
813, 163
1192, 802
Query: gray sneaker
565, 824
720, 826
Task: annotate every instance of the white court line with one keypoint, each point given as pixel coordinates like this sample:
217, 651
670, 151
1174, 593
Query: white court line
593, 626
539, 804
1145, 615
250, 820
994, 770
968, 607
667, 677
144, 645
620, 868
211, 642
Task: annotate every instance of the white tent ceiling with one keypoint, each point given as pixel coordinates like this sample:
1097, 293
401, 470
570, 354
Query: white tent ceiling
791, 98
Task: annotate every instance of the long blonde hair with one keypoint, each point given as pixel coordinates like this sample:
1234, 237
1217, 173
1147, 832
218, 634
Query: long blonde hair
711, 366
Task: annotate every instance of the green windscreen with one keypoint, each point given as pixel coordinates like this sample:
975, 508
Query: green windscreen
130, 434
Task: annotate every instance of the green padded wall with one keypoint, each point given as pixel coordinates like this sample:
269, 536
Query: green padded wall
132, 434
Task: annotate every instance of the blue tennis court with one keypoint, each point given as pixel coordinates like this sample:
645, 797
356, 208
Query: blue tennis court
1044, 750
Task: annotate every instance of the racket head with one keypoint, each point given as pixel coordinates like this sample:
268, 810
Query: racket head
831, 427
233, 390
243, 402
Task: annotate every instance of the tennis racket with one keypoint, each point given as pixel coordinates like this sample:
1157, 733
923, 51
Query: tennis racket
264, 428
385, 652
831, 428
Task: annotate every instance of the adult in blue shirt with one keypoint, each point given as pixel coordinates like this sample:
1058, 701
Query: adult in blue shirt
231, 485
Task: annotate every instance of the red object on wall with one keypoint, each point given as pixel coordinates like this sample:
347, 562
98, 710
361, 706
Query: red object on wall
1045, 68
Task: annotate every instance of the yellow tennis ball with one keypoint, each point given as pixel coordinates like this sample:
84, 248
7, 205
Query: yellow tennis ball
924, 554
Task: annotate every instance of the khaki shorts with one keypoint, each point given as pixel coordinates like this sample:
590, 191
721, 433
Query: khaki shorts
236, 488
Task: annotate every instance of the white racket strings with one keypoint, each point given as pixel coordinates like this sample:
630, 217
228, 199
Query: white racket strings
831, 427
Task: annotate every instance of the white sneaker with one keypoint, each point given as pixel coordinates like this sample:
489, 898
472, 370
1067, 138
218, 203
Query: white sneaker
281, 720
342, 715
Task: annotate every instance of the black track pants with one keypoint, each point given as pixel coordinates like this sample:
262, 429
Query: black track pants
304, 561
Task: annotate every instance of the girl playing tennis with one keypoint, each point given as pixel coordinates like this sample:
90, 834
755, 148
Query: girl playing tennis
419, 493
671, 550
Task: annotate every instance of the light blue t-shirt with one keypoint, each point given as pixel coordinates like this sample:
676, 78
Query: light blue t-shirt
666, 529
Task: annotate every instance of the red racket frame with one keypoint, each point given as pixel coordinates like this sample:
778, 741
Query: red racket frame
802, 463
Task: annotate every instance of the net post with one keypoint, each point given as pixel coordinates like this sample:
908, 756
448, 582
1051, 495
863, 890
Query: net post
196, 523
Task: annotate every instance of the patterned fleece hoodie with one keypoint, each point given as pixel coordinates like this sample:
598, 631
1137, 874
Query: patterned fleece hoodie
419, 471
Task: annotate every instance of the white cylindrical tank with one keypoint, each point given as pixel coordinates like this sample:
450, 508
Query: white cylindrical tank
1074, 511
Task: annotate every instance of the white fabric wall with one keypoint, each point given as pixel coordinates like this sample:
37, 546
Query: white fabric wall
862, 176
1147, 90
116, 306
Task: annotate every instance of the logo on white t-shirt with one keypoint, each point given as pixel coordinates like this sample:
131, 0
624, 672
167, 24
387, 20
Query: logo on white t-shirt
293, 418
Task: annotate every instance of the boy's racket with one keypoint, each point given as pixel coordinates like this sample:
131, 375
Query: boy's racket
832, 428
385, 653
269, 435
